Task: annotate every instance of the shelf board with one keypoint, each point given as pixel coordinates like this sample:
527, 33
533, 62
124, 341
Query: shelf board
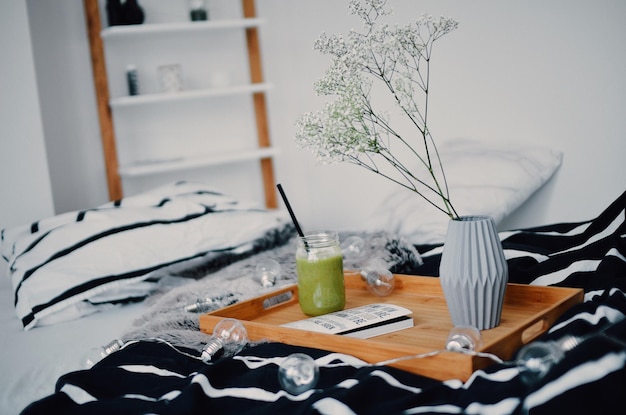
178, 27
186, 95
165, 166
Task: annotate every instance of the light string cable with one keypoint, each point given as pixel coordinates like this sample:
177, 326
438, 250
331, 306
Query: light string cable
491, 356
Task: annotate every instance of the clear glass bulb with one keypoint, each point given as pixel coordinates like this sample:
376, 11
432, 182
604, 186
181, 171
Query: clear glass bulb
202, 305
380, 282
96, 354
353, 247
463, 338
536, 359
267, 272
298, 373
228, 338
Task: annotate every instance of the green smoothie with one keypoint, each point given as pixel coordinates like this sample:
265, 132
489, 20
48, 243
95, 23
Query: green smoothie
320, 285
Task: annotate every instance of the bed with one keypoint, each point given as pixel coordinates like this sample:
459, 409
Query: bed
80, 280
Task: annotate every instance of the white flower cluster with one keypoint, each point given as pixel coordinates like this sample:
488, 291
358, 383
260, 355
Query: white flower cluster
350, 127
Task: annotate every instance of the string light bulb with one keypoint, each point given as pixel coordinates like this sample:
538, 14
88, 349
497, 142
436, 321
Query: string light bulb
267, 272
202, 305
463, 338
380, 282
96, 354
535, 359
298, 373
353, 247
228, 338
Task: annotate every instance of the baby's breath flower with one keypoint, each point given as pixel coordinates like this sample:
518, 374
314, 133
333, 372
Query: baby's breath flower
350, 128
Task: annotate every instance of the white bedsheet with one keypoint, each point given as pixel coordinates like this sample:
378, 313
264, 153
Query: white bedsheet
32, 361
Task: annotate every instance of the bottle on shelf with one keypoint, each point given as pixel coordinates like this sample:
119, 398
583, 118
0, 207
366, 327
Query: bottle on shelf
132, 79
198, 11
132, 12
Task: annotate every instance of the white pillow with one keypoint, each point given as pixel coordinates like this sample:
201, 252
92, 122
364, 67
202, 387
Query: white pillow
483, 178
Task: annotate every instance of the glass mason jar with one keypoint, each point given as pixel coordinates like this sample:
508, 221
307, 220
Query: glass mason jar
319, 266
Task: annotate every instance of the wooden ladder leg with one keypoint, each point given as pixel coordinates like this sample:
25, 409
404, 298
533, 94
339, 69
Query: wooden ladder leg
260, 108
107, 134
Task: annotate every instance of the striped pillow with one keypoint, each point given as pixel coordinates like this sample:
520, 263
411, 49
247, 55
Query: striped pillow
75, 263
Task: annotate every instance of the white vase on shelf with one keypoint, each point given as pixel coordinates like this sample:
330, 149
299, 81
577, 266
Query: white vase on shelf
473, 272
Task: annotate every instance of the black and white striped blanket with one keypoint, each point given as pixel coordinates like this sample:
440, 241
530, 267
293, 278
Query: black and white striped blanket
153, 377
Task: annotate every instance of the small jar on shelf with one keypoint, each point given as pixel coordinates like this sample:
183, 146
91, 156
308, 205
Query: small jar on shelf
198, 11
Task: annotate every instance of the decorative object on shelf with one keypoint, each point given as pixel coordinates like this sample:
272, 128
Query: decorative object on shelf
132, 79
198, 11
219, 79
124, 13
170, 78
131, 13
473, 272
114, 12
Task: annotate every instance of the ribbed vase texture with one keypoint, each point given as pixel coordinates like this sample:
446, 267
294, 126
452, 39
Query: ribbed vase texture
473, 272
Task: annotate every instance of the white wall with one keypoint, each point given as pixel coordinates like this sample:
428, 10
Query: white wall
25, 191
68, 103
520, 71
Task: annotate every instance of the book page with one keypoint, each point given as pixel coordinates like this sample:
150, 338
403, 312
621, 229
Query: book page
351, 319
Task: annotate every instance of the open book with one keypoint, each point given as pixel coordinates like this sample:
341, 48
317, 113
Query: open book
361, 322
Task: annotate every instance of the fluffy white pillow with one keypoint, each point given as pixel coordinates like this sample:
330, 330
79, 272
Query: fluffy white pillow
483, 178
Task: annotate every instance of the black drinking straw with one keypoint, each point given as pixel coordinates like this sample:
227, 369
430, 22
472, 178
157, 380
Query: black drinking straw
293, 217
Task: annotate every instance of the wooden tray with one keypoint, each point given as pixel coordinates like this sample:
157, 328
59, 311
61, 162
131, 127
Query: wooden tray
528, 312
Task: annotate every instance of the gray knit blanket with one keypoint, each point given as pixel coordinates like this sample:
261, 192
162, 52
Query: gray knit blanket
174, 310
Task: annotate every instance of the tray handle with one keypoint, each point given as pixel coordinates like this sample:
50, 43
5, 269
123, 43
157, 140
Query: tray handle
521, 336
527, 333
282, 297
251, 309
534, 330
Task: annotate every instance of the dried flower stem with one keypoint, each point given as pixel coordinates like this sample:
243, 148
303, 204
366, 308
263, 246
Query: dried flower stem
350, 128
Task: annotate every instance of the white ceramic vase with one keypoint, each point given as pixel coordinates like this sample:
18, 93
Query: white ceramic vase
473, 272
